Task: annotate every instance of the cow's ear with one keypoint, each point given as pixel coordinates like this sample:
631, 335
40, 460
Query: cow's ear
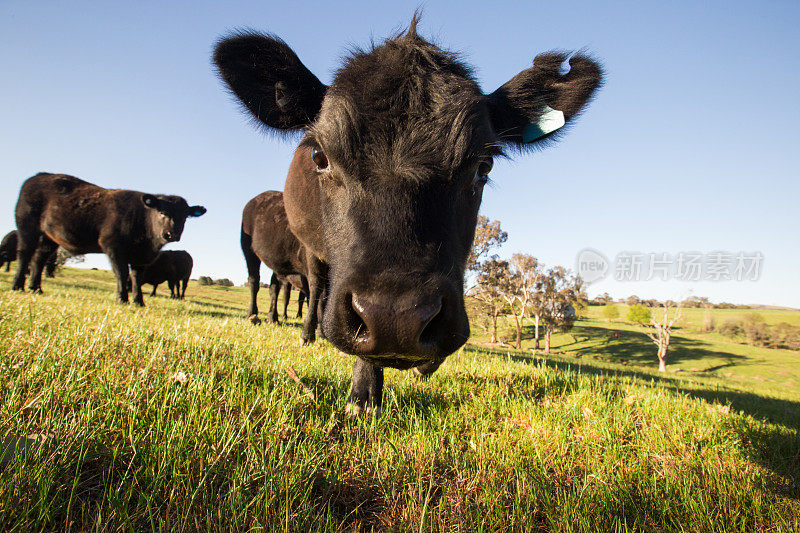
150, 201
269, 80
197, 211
533, 106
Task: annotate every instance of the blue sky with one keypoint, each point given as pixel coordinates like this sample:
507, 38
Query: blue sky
692, 145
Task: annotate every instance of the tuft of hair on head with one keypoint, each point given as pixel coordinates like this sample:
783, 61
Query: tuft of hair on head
411, 32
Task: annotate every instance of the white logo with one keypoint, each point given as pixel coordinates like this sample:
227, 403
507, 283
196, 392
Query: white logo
591, 265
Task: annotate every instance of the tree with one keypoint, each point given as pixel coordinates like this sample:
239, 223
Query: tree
661, 334
488, 235
604, 299
632, 300
519, 289
611, 311
558, 293
205, 280
223, 282
493, 278
639, 313
62, 258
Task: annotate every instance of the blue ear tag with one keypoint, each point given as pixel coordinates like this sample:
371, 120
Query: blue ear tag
550, 121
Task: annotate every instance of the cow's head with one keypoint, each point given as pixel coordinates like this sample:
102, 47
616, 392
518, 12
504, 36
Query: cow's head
166, 216
401, 145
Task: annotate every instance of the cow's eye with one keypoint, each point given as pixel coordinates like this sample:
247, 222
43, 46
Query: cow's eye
485, 167
319, 159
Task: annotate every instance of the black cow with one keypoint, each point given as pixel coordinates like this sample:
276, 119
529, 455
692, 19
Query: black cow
385, 186
8, 249
266, 238
8, 253
172, 266
285, 285
130, 227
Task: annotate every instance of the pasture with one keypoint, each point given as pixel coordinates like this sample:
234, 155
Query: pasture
707, 355
183, 416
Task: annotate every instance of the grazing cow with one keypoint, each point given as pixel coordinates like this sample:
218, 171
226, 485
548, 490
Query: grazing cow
172, 266
385, 186
130, 227
8, 249
8, 253
266, 238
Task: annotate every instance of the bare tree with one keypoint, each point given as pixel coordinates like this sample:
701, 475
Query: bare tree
493, 278
520, 289
661, 334
558, 293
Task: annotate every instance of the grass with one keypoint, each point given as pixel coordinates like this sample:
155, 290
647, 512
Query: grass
181, 416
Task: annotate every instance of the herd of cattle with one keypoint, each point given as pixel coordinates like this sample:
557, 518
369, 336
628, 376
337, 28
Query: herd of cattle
380, 202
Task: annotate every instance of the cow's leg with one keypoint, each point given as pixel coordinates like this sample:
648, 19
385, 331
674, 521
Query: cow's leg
425, 370
153, 292
43, 251
51, 265
120, 267
274, 290
366, 391
301, 298
172, 292
27, 239
137, 274
287, 293
183, 289
323, 296
253, 279
316, 281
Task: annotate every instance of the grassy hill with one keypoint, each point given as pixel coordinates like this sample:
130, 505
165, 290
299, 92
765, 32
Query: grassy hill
709, 355
182, 416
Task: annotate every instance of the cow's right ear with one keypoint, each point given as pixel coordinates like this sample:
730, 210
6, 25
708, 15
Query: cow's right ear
197, 211
531, 108
269, 80
150, 201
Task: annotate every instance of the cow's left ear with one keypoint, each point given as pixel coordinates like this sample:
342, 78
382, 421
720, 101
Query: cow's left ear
151, 201
197, 211
532, 106
269, 80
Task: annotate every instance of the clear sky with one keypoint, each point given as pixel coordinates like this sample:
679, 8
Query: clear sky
692, 145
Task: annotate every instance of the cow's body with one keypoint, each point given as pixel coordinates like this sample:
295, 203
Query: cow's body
266, 238
384, 190
130, 227
172, 266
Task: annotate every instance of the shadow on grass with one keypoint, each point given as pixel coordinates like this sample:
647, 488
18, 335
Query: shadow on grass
636, 347
784, 412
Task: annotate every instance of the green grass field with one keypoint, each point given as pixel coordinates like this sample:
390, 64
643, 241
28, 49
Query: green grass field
182, 417
692, 351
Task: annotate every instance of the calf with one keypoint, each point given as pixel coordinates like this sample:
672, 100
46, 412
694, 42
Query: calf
8, 253
266, 238
385, 186
130, 227
172, 266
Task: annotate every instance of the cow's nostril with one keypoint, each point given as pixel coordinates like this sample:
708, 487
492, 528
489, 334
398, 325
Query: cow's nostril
430, 319
355, 320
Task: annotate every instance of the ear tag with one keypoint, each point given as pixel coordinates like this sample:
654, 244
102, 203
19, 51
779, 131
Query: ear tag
550, 121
